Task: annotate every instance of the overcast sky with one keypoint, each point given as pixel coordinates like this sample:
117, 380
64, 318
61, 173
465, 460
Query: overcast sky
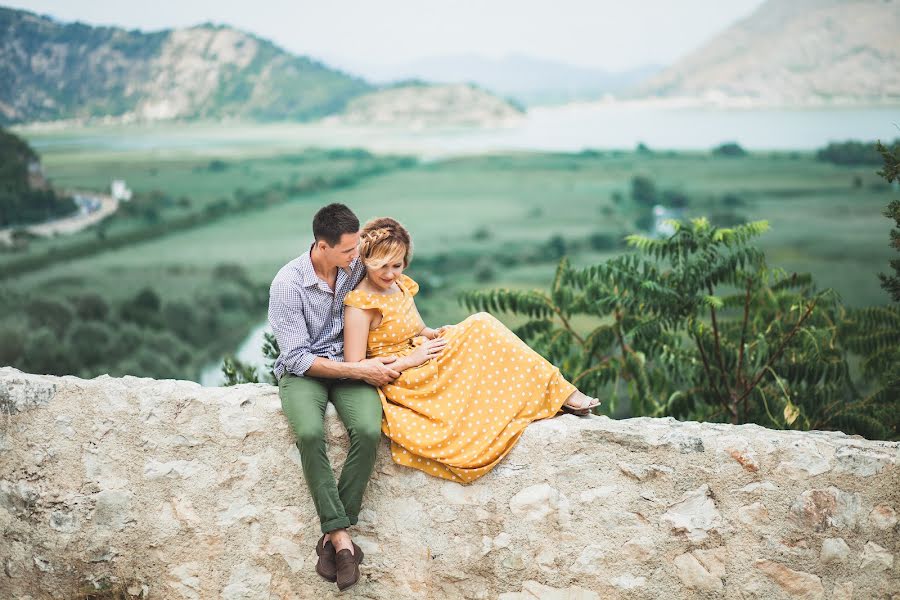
610, 34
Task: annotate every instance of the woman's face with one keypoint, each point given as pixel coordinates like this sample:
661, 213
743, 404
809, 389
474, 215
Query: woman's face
384, 277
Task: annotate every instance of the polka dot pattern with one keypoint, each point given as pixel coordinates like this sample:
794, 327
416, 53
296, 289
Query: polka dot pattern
457, 415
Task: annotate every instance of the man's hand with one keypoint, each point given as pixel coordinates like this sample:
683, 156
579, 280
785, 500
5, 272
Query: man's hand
375, 371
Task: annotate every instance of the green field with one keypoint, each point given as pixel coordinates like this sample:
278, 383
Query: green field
824, 219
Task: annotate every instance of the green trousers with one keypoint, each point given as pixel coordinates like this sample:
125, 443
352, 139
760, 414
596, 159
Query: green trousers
304, 400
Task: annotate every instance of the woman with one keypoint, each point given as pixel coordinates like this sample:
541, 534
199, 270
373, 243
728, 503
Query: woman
467, 391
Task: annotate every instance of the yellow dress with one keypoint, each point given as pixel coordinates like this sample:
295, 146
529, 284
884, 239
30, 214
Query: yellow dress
458, 414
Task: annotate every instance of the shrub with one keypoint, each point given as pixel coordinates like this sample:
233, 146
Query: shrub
12, 345
49, 313
729, 150
643, 191
89, 343
90, 307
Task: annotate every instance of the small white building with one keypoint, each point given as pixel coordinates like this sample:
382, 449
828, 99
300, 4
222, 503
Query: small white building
120, 191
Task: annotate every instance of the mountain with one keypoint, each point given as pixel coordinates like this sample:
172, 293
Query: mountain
25, 195
528, 80
51, 71
420, 105
796, 53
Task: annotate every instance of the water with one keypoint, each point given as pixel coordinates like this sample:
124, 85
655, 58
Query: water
249, 352
568, 128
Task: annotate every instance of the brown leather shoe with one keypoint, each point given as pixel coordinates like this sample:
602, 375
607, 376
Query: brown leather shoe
347, 565
326, 567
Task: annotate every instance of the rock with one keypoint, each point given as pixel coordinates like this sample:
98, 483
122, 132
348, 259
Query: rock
861, 462
797, 584
184, 580
198, 492
843, 591
694, 575
247, 581
642, 472
753, 514
876, 558
536, 502
21, 392
532, 590
694, 514
829, 507
883, 517
628, 581
802, 459
834, 550
639, 549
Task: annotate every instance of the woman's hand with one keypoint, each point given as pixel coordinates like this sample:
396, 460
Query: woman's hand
432, 334
424, 352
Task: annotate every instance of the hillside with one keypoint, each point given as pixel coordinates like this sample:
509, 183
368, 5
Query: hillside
25, 195
529, 80
424, 105
796, 53
52, 71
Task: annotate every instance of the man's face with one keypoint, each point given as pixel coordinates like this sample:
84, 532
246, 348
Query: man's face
344, 252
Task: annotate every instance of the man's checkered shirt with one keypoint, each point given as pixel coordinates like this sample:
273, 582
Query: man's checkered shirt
306, 316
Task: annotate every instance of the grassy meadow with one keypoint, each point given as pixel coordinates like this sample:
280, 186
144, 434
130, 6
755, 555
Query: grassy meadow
477, 222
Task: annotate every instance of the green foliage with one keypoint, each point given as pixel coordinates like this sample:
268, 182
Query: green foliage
729, 150
21, 202
51, 314
89, 342
697, 326
90, 307
851, 153
891, 172
643, 191
237, 372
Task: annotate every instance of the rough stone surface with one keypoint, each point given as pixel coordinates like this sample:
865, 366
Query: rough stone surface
179, 491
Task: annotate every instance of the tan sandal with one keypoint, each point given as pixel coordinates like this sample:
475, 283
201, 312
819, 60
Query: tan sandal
581, 411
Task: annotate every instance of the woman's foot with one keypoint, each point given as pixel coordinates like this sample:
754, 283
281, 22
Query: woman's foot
580, 404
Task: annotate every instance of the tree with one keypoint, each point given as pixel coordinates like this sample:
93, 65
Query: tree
684, 343
729, 150
891, 172
643, 191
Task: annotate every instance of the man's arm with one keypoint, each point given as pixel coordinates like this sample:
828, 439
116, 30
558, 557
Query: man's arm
289, 326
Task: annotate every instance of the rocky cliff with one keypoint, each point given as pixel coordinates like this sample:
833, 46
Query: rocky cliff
796, 53
179, 491
52, 70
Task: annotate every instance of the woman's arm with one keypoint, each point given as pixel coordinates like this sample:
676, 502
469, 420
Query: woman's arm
356, 333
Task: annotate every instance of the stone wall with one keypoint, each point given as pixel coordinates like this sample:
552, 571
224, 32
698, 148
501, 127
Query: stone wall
181, 491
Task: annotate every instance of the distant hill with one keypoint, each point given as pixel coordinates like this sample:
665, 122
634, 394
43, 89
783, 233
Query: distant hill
25, 196
415, 104
51, 71
529, 80
796, 53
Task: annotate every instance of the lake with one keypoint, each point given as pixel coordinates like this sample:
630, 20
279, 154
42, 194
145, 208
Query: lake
569, 128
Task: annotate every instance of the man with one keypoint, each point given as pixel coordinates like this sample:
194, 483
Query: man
306, 313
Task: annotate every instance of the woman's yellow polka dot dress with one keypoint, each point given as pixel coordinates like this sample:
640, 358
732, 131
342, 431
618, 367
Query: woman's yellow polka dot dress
458, 414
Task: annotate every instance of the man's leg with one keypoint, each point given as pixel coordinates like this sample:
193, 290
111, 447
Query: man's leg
359, 407
304, 400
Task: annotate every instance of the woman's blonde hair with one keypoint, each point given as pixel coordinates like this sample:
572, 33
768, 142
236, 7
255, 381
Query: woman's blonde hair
383, 240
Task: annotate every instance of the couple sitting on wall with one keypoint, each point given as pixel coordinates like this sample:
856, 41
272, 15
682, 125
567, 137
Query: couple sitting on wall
452, 400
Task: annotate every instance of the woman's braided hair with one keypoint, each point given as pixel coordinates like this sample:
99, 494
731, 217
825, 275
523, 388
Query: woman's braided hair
382, 240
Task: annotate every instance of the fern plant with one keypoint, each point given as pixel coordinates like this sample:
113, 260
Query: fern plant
693, 326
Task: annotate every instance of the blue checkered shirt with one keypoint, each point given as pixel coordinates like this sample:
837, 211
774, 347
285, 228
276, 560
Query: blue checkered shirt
306, 316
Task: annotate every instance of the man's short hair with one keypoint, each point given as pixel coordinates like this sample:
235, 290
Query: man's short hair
333, 221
